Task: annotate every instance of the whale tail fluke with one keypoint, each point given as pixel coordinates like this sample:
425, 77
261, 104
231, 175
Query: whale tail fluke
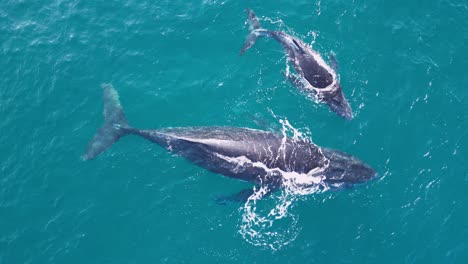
112, 129
255, 31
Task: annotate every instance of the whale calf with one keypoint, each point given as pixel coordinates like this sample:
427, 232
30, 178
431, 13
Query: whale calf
242, 153
313, 75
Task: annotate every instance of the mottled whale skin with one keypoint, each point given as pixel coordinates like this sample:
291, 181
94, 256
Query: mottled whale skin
313, 75
219, 149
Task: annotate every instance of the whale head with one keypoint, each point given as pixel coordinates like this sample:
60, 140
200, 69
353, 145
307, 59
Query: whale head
338, 103
345, 168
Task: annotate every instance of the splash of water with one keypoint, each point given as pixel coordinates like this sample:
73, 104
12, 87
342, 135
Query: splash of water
268, 222
267, 216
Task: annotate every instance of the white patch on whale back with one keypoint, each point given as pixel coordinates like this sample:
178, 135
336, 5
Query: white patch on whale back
214, 141
207, 141
300, 179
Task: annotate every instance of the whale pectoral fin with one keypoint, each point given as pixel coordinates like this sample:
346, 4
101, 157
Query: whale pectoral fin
297, 81
291, 58
237, 198
262, 122
244, 195
333, 61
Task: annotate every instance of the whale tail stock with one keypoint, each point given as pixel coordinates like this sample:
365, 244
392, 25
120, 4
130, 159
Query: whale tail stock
255, 31
115, 124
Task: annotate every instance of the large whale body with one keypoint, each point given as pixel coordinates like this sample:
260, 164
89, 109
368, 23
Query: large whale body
314, 76
247, 154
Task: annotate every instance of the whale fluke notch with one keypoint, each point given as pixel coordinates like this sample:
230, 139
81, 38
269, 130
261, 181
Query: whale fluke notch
237, 198
112, 129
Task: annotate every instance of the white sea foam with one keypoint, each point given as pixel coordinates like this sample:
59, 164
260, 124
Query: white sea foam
267, 217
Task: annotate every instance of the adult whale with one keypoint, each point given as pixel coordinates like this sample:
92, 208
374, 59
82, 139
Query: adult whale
255, 156
313, 76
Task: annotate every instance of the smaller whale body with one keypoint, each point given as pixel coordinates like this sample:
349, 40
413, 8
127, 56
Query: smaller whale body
242, 153
313, 75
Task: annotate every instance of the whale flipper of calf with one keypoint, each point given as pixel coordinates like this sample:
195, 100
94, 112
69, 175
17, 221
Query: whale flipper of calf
313, 75
256, 156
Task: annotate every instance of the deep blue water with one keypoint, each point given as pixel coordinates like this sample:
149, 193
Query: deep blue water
402, 65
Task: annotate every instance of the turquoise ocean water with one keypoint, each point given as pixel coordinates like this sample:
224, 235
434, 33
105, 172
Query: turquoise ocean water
176, 63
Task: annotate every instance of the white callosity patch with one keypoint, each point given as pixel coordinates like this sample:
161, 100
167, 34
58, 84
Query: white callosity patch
269, 222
